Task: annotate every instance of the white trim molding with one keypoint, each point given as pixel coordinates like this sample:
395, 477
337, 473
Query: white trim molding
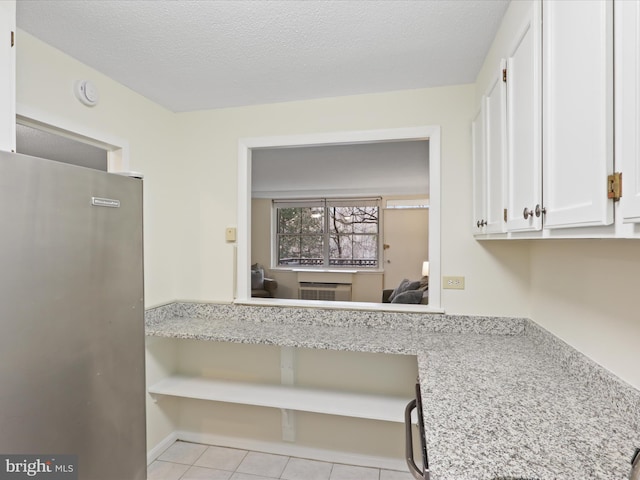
245, 146
118, 148
156, 451
292, 450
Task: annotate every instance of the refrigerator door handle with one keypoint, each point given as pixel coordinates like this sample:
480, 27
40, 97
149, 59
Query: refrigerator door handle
413, 468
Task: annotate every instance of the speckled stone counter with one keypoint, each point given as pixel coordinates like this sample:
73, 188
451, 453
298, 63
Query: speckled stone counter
502, 397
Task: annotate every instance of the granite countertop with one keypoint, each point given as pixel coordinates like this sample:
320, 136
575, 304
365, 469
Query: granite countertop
502, 398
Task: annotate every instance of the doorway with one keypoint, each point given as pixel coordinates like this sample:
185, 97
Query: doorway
405, 230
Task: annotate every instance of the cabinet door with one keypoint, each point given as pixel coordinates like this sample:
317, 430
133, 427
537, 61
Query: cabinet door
578, 112
495, 151
627, 105
524, 142
7, 76
479, 171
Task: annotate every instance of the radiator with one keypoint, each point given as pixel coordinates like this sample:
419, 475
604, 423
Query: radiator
338, 292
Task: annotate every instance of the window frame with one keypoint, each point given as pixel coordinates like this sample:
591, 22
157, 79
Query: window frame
327, 234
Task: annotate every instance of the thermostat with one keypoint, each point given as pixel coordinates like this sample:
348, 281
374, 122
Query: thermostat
86, 92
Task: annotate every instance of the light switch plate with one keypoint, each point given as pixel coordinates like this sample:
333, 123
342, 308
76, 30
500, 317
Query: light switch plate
455, 283
230, 234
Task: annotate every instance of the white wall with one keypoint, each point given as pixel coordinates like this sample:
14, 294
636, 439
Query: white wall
190, 161
206, 190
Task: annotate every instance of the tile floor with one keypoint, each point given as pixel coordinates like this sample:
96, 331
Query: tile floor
193, 461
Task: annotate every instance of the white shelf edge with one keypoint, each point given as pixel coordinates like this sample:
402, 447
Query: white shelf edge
348, 404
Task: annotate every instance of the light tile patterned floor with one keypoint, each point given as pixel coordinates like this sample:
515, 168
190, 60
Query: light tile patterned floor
193, 461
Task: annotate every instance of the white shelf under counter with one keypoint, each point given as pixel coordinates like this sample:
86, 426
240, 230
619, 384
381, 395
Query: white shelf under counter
330, 402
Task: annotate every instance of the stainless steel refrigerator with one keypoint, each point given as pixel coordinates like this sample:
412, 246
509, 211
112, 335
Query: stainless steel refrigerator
72, 377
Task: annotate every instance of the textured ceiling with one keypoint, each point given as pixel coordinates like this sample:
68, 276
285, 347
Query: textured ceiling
195, 55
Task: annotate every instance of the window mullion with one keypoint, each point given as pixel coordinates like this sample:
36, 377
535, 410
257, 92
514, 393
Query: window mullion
326, 237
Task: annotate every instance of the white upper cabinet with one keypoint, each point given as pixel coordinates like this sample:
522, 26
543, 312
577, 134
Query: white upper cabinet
627, 104
523, 129
479, 171
577, 112
7, 75
495, 153
489, 149
549, 138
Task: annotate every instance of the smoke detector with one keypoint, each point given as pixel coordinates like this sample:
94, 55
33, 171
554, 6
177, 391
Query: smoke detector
86, 92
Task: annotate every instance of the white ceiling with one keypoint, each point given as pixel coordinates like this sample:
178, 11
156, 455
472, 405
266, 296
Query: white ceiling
195, 55
366, 169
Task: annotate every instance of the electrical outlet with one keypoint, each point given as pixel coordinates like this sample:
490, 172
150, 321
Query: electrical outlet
456, 283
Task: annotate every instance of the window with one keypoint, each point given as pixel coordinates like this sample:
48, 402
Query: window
327, 233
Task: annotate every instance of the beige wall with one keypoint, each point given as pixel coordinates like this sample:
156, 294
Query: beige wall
45, 78
585, 292
261, 231
206, 190
190, 166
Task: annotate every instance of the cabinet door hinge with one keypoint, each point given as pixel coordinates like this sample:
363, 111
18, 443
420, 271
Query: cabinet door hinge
504, 75
13, 39
614, 186
504, 215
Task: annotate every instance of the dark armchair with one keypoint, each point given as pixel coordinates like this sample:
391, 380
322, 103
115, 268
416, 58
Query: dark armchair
261, 286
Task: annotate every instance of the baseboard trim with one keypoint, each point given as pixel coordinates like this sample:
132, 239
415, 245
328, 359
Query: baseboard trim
156, 451
292, 450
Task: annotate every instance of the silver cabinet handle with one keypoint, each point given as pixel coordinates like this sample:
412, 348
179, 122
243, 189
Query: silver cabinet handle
540, 211
413, 468
527, 213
